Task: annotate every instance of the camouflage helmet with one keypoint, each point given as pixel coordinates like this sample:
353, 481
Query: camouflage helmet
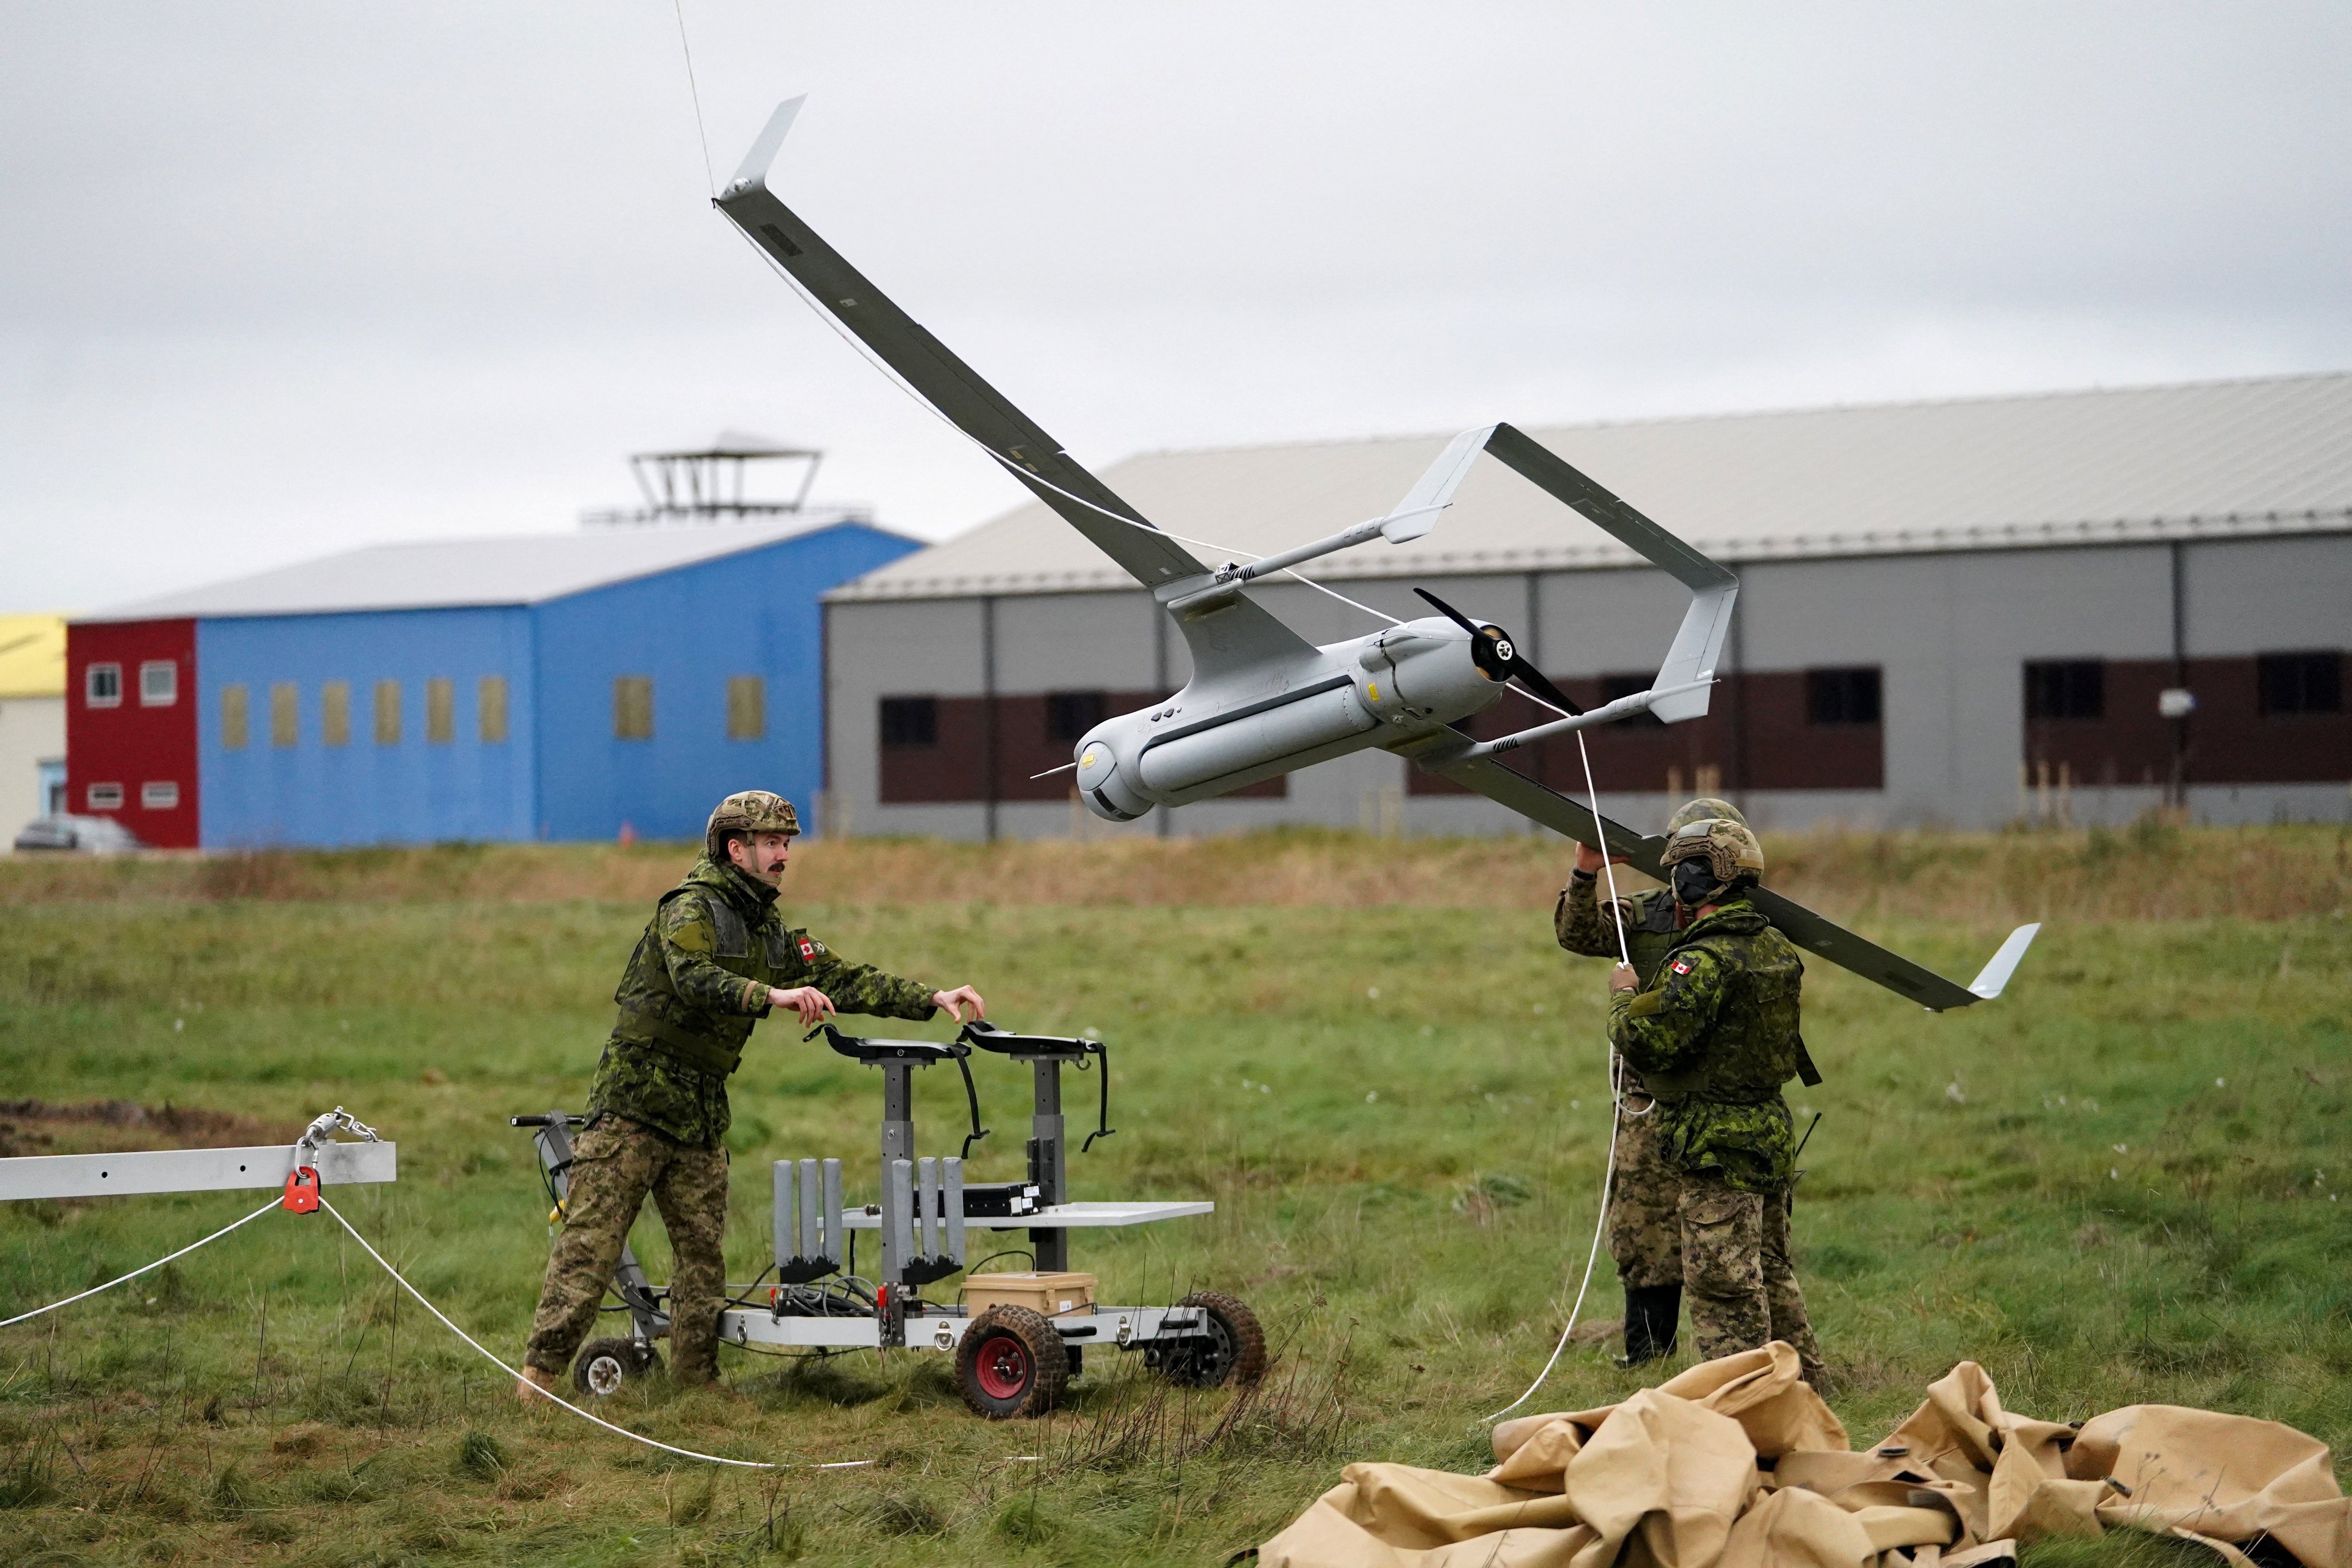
749, 811
1705, 807
1729, 848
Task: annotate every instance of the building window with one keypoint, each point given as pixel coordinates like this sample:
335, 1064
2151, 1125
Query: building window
235, 729
747, 708
102, 686
285, 718
387, 712
491, 699
1070, 714
2301, 682
1842, 696
910, 721
335, 714
2066, 689
1613, 687
159, 683
440, 711
159, 794
104, 796
633, 708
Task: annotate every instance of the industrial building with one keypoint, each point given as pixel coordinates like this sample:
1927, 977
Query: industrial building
550, 686
2072, 606
32, 719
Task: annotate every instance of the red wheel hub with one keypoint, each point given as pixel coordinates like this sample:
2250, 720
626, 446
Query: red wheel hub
1003, 1367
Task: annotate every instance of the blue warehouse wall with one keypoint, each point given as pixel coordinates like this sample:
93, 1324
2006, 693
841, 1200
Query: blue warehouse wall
414, 791
688, 631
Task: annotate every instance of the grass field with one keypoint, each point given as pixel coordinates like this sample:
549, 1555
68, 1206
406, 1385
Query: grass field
2118, 1184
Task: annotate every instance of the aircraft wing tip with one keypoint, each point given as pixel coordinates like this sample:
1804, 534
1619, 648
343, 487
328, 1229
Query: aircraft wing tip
1994, 977
752, 174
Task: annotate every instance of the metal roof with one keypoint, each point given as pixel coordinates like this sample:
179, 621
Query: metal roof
32, 655
448, 573
2214, 459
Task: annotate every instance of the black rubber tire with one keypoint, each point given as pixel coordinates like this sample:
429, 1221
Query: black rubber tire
1232, 1351
606, 1366
1010, 1363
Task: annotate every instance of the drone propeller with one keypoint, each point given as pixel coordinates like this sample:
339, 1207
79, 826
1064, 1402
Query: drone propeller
1498, 659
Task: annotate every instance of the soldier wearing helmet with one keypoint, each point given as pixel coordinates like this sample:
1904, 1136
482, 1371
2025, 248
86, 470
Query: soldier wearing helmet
1713, 1033
1644, 1232
716, 957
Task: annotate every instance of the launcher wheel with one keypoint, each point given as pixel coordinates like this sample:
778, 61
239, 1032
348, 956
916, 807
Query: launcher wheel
1010, 1363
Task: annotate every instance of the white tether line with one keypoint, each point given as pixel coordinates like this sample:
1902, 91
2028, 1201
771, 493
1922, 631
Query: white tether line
709, 180
928, 406
135, 1273
584, 1416
1616, 1103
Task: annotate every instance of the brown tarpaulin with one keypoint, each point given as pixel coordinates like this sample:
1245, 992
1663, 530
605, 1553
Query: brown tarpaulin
1735, 1464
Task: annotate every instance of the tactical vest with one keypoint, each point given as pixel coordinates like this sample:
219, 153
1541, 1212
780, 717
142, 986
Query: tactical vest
1754, 1047
661, 1018
1651, 934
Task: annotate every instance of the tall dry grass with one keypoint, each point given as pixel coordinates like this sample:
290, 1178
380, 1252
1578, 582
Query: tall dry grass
2152, 870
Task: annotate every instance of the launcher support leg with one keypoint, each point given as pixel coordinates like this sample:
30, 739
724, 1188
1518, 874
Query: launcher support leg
897, 1144
1048, 1162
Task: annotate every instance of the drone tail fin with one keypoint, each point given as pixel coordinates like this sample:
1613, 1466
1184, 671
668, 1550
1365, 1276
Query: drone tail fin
1433, 491
1691, 661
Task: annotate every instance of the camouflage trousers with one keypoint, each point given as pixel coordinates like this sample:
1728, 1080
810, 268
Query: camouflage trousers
1645, 1206
614, 1166
1737, 1278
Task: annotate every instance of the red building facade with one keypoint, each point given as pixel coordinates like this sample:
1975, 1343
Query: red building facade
131, 727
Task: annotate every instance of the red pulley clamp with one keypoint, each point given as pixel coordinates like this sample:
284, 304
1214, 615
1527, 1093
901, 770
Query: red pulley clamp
302, 1190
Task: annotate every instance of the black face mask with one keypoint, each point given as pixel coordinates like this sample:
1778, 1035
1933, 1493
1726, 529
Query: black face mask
1694, 883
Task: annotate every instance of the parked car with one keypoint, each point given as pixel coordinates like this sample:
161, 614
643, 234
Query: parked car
86, 834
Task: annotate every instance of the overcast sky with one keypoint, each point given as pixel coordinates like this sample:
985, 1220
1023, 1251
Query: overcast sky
277, 279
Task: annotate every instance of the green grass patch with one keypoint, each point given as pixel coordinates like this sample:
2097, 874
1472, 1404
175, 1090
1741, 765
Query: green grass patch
2118, 1184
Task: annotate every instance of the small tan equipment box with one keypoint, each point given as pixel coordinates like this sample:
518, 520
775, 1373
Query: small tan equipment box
1049, 1295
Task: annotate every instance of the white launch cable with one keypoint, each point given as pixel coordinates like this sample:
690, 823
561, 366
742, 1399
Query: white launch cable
1608, 867
1616, 1105
1607, 1179
145, 1268
709, 180
584, 1416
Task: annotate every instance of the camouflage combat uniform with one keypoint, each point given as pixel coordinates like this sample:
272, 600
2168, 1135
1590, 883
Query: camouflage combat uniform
1714, 1036
695, 983
1644, 1234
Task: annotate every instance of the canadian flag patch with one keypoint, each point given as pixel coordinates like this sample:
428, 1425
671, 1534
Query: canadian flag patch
1682, 966
808, 950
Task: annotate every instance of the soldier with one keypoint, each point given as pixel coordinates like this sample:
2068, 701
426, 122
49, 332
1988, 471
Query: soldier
1714, 1035
1645, 1237
715, 955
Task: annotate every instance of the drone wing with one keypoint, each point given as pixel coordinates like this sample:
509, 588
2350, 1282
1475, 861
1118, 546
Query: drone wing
1822, 937
1240, 634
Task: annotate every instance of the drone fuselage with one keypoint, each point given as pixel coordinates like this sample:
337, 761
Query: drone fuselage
1217, 736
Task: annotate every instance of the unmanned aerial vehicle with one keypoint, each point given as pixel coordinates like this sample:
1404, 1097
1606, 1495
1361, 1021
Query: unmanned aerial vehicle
1262, 701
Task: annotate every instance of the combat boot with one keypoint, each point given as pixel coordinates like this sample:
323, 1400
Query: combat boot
1653, 1315
534, 1383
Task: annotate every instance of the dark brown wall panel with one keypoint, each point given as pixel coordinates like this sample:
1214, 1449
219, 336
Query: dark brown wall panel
948, 771
2229, 740
2128, 743
2232, 741
1754, 736
1781, 750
